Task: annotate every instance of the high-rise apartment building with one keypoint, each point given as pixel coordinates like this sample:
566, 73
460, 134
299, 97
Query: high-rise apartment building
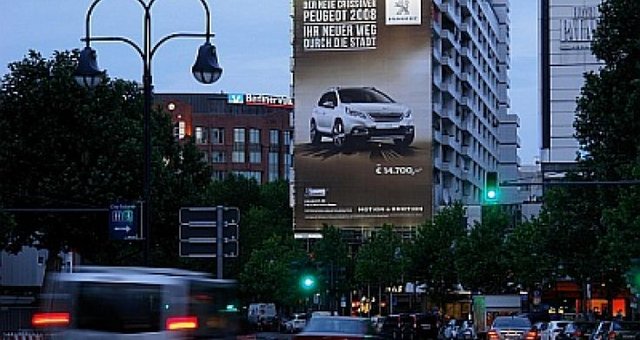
472, 130
567, 28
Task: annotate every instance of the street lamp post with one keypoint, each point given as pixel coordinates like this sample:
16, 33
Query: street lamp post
205, 69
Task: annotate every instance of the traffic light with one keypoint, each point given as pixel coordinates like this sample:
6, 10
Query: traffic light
491, 187
307, 282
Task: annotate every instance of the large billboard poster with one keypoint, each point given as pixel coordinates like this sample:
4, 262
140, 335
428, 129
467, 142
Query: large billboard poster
362, 89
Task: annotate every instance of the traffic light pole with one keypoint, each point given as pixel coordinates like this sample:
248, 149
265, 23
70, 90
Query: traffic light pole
571, 183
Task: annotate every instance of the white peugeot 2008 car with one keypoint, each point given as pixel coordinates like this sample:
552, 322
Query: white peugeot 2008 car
349, 114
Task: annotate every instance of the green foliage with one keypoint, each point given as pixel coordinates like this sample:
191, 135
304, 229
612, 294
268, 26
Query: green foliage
382, 260
67, 147
481, 262
433, 253
526, 253
268, 275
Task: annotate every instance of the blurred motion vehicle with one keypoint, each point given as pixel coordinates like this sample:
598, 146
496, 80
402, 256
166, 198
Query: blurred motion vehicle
336, 327
578, 330
511, 328
140, 303
553, 329
601, 331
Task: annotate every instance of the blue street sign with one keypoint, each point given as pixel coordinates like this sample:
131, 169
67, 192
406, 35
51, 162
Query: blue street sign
124, 221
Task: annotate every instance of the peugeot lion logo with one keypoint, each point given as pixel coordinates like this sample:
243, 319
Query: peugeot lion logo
403, 7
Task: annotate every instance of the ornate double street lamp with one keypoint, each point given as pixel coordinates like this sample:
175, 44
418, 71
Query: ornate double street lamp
205, 69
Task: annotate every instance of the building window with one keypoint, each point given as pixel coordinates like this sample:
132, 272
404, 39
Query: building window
255, 153
254, 136
238, 154
239, 136
218, 157
255, 156
218, 175
274, 137
274, 166
288, 138
179, 130
257, 175
217, 136
201, 135
287, 165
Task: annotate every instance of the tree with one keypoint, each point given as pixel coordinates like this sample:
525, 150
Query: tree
331, 255
526, 251
481, 261
597, 221
433, 253
268, 275
73, 148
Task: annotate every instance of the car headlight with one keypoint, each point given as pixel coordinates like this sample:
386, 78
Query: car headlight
356, 113
407, 114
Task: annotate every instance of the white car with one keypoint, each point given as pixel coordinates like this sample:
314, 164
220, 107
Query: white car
347, 114
296, 324
553, 329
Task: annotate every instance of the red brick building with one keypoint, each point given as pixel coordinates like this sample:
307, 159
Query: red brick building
244, 134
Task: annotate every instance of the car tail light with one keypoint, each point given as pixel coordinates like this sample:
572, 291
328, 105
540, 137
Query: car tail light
57, 319
612, 335
577, 333
175, 323
493, 335
531, 335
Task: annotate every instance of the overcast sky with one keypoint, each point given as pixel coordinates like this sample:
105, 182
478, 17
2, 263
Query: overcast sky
252, 38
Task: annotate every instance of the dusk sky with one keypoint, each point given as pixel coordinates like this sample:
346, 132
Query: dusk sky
252, 38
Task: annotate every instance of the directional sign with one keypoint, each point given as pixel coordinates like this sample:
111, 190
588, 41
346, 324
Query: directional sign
207, 249
199, 216
203, 230
124, 221
189, 232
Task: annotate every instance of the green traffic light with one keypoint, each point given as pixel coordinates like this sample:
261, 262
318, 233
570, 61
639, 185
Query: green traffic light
308, 282
491, 187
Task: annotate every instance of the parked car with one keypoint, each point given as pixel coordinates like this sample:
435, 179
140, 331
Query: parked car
347, 114
553, 329
511, 328
578, 330
296, 323
426, 326
337, 327
391, 327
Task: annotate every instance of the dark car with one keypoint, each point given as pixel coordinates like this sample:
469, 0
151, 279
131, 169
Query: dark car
578, 330
336, 327
426, 326
511, 328
391, 327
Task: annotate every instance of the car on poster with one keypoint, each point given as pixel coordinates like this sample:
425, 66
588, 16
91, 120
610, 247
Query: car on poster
349, 115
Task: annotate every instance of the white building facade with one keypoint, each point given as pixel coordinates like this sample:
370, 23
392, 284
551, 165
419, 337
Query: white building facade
473, 132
